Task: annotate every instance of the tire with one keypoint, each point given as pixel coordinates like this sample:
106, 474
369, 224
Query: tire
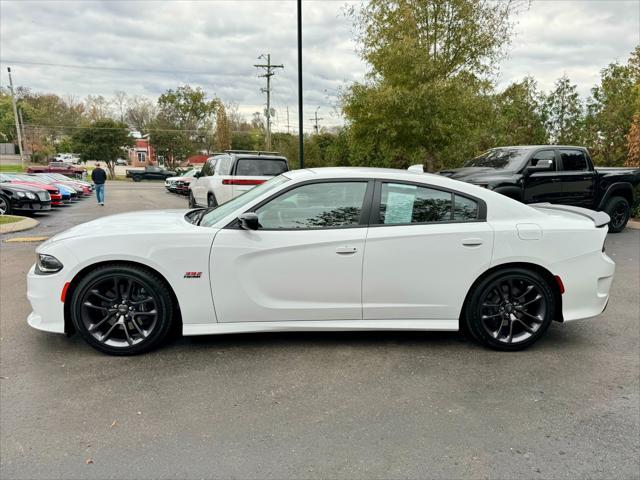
137, 178
5, 205
137, 321
619, 210
192, 201
211, 201
501, 310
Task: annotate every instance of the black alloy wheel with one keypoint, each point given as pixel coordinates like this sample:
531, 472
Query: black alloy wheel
618, 209
5, 205
510, 309
122, 310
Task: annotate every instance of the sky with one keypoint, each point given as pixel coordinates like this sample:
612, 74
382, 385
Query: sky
146, 47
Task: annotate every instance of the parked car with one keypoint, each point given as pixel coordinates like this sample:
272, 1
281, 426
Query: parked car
69, 194
59, 167
81, 189
22, 198
290, 255
228, 175
77, 181
180, 184
69, 158
555, 174
54, 192
151, 172
121, 162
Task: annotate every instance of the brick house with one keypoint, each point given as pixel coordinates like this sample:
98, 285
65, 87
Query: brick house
142, 153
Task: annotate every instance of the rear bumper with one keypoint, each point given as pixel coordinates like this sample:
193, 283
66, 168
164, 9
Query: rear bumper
587, 280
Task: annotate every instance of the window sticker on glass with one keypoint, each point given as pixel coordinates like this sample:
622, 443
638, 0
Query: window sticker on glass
399, 204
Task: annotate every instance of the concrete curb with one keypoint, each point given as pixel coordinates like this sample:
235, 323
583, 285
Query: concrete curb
25, 224
634, 224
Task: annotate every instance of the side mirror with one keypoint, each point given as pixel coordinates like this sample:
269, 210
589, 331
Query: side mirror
197, 175
541, 166
249, 221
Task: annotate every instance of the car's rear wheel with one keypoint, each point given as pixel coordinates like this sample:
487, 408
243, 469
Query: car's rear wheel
137, 178
510, 309
5, 205
619, 210
122, 310
211, 201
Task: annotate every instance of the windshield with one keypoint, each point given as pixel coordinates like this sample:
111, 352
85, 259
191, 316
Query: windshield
501, 158
214, 216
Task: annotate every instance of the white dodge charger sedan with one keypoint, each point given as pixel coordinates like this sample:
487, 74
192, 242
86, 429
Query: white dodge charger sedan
327, 249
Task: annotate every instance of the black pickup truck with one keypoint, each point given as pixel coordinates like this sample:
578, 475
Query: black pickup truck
555, 174
150, 172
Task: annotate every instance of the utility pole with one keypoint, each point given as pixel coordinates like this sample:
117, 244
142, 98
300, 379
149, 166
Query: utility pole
15, 115
316, 118
287, 119
24, 132
269, 72
300, 117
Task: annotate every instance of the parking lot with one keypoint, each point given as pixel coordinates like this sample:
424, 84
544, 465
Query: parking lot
339, 405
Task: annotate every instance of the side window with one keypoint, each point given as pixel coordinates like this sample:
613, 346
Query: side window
573, 160
404, 204
544, 155
223, 165
316, 205
208, 167
260, 167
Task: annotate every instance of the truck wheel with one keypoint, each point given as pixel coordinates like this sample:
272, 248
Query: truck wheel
619, 210
211, 201
137, 178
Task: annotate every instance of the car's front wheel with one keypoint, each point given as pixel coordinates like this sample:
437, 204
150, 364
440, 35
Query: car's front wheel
137, 178
122, 310
510, 309
5, 205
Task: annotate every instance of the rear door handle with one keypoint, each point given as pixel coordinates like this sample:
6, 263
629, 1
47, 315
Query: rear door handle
346, 250
555, 179
472, 242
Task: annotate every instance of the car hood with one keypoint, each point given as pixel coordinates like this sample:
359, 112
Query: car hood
476, 174
20, 187
148, 222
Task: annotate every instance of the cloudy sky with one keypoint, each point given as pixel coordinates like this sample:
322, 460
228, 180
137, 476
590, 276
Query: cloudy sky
144, 48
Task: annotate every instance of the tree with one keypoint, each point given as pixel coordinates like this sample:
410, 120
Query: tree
171, 143
140, 113
103, 140
425, 89
610, 111
563, 112
187, 107
223, 130
96, 108
633, 143
120, 104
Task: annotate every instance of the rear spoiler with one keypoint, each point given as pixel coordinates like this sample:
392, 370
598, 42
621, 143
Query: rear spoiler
600, 219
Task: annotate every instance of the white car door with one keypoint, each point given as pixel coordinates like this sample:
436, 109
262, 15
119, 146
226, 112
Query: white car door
424, 249
304, 263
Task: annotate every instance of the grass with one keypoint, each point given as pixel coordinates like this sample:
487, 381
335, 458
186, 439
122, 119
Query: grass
4, 219
12, 167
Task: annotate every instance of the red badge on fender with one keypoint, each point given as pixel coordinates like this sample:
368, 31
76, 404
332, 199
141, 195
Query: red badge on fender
192, 274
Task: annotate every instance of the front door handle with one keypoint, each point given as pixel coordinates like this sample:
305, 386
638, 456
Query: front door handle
346, 250
472, 242
555, 179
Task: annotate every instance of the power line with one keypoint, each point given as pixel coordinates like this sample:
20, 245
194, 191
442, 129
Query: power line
96, 67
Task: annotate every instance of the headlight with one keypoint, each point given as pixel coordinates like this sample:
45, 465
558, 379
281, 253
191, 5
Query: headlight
20, 194
47, 264
31, 196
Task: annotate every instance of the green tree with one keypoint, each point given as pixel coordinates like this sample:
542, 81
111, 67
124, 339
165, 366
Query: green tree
425, 89
173, 144
610, 111
140, 113
563, 111
223, 130
104, 141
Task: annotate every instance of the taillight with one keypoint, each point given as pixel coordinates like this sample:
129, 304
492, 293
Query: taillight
238, 181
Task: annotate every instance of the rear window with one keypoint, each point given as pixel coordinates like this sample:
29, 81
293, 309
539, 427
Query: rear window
260, 167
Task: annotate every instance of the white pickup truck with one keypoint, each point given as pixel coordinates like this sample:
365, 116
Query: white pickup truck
225, 176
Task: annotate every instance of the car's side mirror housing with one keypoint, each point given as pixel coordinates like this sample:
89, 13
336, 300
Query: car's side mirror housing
541, 166
249, 221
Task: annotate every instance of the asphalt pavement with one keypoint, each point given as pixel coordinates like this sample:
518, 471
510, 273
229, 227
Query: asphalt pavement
310, 405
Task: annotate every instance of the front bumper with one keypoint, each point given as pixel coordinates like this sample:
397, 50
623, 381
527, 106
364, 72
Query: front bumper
32, 206
43, 292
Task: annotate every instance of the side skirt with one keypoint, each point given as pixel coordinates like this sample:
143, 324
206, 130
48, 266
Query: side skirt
320, 326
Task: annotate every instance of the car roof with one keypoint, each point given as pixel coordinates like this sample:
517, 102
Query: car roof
531, 147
